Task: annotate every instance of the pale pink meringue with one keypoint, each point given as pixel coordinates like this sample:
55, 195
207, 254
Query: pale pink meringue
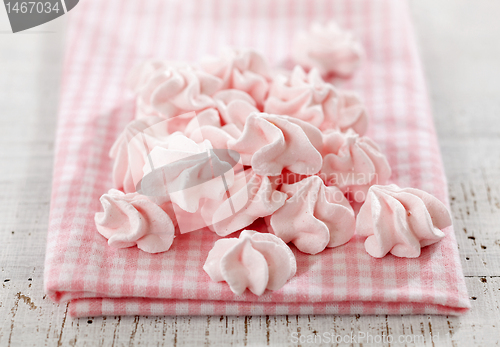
129, 150
132, 219
242, 69
401, 221
307, 97
353, 163
188, 172
257, 261
351, 114
218, 136
270, 143
167, 89
327, 48
132, 146
314, 217
234, 106
251, 197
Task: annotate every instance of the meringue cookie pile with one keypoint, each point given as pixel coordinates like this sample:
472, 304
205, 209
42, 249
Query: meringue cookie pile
219, 146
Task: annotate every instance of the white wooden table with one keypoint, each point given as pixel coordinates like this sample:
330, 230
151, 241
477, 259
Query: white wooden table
460, 47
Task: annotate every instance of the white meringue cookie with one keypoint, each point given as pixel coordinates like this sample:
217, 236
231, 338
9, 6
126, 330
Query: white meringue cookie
400, 221
353, 163
242, 69
257, 261
327, 48
132, 219
166, 89
314, 217
251, 197
270, 143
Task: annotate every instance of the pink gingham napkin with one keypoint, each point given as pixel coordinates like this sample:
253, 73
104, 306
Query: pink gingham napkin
106, 39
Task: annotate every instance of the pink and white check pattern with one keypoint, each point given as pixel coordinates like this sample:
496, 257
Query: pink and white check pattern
106, 38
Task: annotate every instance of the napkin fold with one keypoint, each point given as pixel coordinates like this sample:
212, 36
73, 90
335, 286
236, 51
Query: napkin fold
105, 39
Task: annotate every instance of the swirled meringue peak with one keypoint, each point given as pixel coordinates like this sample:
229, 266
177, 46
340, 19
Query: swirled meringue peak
129, 150
327, 48
270, 143
314, 216
188, 172
234, 106
353, 163
251, 197
302, 95
400, 221
351, 114
257, 261
167, 89
133, 145
307, 97
133, 220
242, 69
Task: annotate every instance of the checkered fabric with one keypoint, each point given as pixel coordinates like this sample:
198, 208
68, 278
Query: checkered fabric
105, 39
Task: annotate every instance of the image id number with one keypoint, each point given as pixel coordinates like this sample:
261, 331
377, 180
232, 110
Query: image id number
31, 7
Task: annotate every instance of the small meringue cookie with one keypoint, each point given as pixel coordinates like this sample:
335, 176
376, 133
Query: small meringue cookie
270, 143
354, 166
133, 220
131, 148
218, 136
302, 95
307, 97
257, 261
188, 172
189, 122
234, 106
351, 114
242, 69
251, 197
167, 90
329, 49
400, 221
314, 216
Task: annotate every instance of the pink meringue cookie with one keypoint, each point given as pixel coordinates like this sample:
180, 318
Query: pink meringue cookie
218, 136
188, 172
353, 163
400, 221
257, 261
242, 69
132, 146
314, 217
270, 143
307, 97
251, 197
167, 90
234, 106
129, 150
302, 95
189, 122
327, 48
132, 219
351, 114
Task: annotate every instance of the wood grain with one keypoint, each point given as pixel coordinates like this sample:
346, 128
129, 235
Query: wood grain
460, 45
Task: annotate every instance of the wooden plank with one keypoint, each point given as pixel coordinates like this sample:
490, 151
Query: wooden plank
27, 311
